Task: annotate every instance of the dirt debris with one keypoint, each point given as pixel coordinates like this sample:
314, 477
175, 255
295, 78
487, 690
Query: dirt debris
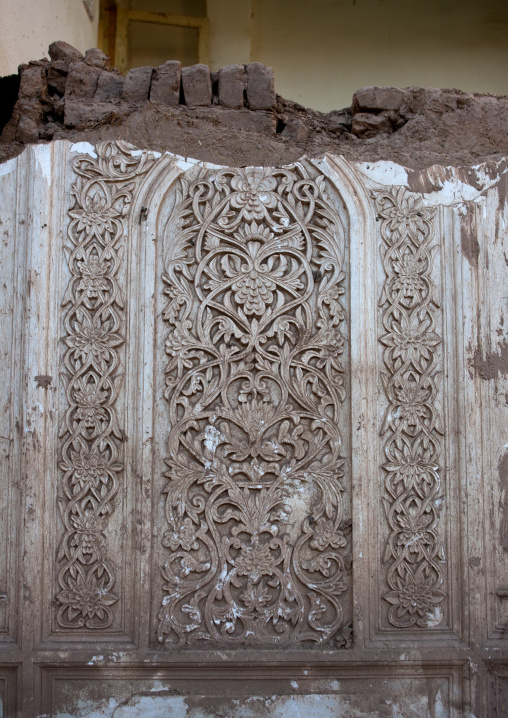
80, 98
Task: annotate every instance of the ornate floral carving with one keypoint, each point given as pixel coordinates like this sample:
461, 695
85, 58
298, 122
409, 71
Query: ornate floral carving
412, 423
91, 451
255, 383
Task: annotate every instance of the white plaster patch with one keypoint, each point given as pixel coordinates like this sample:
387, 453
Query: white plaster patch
186, 163
8, 167
435, 618
95, 659
385, 173
154, 707
439, 707
450, 190
84, 148
212, 438
138, 153
43, 156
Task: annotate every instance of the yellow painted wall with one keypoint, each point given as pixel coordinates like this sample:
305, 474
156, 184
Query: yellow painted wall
28, 27
324, 50
321, 50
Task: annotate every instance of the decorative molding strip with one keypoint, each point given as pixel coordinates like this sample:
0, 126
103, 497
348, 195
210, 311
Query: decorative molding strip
412, 425
254, 262
92, 452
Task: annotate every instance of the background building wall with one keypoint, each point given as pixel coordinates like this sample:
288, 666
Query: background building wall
324, 50
27, 28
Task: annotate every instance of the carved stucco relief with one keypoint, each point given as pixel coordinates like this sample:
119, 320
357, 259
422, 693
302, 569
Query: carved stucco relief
412, 426
91, 454
257, 539
450, 493
257, 545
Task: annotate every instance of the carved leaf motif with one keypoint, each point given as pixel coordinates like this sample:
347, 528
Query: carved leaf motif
254, 383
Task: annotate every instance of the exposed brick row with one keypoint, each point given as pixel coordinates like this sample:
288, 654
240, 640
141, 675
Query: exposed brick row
90, 77
74, 89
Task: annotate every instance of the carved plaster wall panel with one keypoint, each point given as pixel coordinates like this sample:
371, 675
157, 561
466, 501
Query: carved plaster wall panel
256, 377
258, 408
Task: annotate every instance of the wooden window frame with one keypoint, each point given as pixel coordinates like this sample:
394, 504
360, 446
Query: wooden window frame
121, 17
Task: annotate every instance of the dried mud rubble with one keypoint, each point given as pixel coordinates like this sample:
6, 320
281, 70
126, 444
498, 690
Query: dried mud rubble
233, 117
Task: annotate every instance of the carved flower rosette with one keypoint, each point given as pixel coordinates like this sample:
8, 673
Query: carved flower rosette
255, 385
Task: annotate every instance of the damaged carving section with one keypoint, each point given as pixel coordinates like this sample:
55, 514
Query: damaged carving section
490, 365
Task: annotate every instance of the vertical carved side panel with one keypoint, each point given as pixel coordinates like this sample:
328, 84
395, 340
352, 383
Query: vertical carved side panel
92, 435
257, 541
14, 186
412, 426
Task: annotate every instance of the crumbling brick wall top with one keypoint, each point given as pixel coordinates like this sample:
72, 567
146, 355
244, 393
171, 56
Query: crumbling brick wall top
233, 116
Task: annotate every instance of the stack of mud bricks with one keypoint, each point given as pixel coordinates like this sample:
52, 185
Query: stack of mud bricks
237, 86
73, 90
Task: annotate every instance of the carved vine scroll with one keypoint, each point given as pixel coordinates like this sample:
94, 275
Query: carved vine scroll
91, 450
412, 424
254, 273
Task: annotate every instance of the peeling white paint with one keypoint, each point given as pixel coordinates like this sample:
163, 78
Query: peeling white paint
439, 707
138, 153
95, 659
84, 148
8, 166
154, 707
435, 618
212, 438
451, 189
43, 156
385, 173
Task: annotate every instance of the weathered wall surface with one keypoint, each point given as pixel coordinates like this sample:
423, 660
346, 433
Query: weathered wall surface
254, 437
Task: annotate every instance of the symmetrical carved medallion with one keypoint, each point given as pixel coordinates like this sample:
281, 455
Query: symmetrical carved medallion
412, 424
91, 450
255, 385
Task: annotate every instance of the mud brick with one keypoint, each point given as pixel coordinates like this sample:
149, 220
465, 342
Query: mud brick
82, 113
109, 86
32, 81
97, 58
378, 98
366, 125
81, 81
165, 86
57, 75
260, 87
232, 86
197, 85
63, 51
137, 84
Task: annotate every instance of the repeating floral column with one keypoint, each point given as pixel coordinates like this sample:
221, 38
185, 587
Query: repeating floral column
92, 436
412, 425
